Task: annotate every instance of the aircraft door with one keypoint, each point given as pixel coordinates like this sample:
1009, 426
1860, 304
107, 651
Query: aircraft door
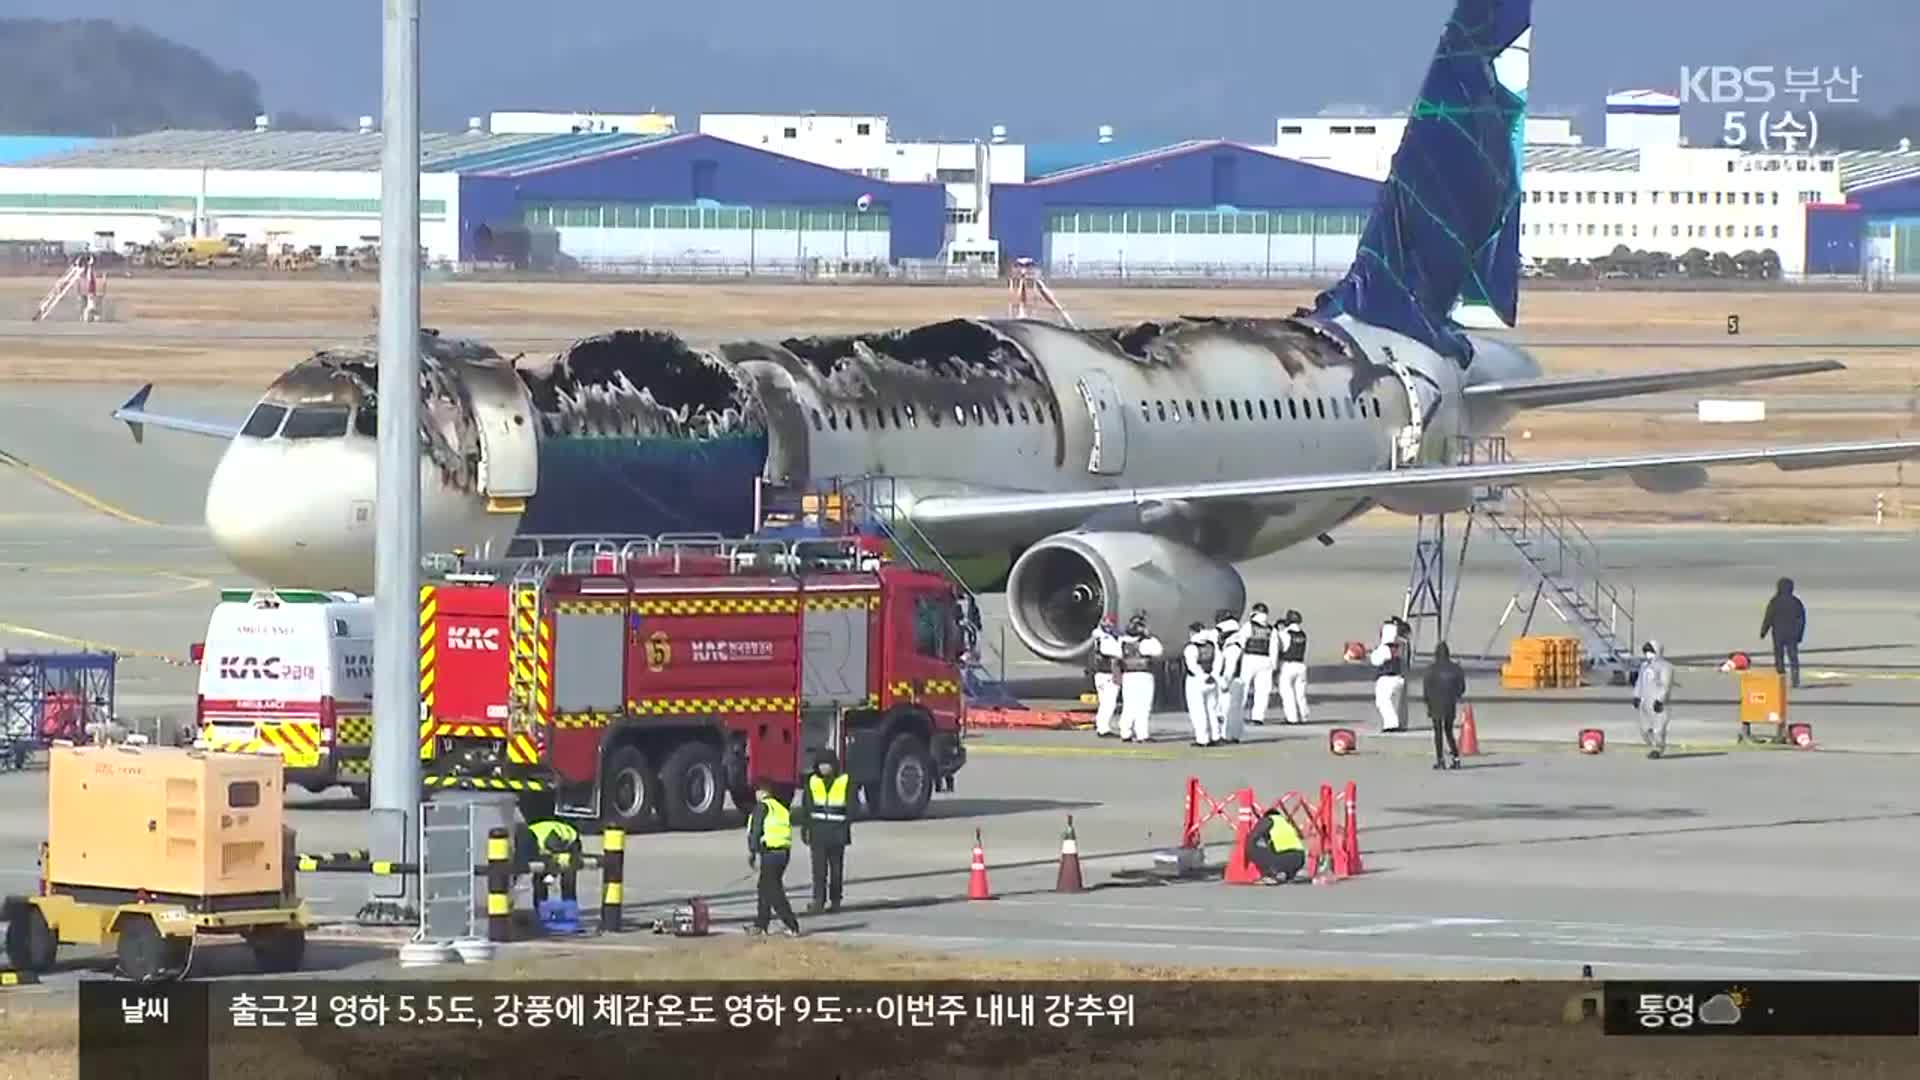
1107, 422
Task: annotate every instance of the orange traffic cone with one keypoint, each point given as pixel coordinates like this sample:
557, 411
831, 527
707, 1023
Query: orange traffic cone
1240, 870
1469, 733
977, 880
1068, 879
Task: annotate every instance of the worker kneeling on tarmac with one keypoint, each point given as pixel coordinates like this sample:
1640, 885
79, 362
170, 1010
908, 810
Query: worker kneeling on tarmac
554, 843
827, 828
1275, 849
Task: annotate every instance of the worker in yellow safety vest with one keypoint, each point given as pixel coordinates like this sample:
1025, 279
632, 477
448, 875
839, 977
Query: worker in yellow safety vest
770, 846
826, 824
1275, 849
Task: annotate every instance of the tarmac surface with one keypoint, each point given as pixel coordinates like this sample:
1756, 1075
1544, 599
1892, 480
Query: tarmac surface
1720, 860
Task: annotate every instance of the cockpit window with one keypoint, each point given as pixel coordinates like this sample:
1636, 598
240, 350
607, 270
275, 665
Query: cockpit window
264, 421
317, 422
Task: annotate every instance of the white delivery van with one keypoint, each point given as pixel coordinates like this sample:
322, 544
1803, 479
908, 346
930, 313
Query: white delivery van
291, 672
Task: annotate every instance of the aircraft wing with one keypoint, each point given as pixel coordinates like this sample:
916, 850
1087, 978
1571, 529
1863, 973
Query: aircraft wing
134, 413
968, 509
1568, 389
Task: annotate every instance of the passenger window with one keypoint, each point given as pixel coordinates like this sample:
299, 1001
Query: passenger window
932, 620
1053, 410
1024, 418
1234, 407
316, 422
1190, 412
863, 417
993, 413
366, 421
1007, 407
833, 420
1160, 409
818, 424
1146, 414
1263, 409
1205, 414
264, 421
978, 417
1320, 405
933, 417
243, 795
1293, 408
912, 420
960, 415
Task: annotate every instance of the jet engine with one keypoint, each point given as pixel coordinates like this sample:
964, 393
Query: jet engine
1060, 587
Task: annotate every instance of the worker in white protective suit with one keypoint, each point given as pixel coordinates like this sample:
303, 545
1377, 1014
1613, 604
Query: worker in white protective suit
1106, 675
1652, 693
1140, 654
1293, 668
1259, 657
1202, 660
1229, 707
1389, 659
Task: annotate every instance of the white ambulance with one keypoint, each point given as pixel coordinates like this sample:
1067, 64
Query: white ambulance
291, 672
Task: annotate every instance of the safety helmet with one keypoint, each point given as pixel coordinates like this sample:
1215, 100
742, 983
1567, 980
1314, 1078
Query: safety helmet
1260, 609
1195, 628
1223, 615
1292, 615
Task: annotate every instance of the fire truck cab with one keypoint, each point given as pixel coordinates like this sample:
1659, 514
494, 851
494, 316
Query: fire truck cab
644, 685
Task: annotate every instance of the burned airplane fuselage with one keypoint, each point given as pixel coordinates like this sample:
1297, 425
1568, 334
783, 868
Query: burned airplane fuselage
642, 433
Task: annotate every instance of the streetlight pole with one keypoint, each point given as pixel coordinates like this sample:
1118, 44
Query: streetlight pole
396, 560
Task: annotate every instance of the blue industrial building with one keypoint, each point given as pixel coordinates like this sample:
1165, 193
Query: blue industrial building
1192, 205
1890, 213
690, 198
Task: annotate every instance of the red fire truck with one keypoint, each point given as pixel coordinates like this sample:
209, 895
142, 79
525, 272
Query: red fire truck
643, 685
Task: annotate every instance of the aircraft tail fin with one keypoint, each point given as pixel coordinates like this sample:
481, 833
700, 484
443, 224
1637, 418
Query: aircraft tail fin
1446, 228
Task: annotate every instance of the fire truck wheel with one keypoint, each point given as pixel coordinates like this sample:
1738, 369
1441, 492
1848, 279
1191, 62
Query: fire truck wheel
694, 793
906, 778
630, 790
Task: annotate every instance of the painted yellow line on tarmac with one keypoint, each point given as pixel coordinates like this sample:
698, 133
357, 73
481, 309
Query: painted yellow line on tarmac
183, 583
84, 643
72, 492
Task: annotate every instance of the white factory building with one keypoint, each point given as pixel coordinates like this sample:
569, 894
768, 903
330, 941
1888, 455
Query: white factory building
767, 190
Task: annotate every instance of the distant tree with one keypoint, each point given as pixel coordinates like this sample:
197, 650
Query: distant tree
96, 77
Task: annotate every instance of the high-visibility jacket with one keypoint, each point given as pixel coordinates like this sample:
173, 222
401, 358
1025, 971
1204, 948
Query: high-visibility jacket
776, 830
550, 836
829, 802
1282, 836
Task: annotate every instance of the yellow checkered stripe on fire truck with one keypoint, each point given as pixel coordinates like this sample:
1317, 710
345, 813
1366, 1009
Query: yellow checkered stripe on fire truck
588, 607
718, 605
575, 720
354, 731
296, 741
533, 656
483, 783
356, 768
940, 686
690, 706
429, 607
842, 601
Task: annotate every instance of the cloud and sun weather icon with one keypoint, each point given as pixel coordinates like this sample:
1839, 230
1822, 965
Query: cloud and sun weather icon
1726, 1008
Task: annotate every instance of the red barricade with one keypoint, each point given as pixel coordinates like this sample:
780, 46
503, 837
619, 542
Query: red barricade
1330, 828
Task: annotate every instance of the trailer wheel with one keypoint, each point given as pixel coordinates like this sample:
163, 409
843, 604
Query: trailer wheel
278, 949
146, 955
629, 790
693, 787
906, 779
31, 943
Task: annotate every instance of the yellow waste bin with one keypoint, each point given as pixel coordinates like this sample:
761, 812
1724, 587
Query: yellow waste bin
1763, 701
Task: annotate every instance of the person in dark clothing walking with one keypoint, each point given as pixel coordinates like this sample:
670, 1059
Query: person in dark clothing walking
770, 845
826, 827
1445, 685
1786, 620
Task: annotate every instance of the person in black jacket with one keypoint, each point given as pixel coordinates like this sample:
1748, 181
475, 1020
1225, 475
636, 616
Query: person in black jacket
1786, 620
1443, 689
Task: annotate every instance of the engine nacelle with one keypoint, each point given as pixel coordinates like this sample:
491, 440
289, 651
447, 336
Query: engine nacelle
1060, 587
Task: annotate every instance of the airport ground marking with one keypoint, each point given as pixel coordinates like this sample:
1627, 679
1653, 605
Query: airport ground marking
57, 484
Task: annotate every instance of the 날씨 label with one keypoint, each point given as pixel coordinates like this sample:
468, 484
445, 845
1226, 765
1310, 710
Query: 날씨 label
1741, 1007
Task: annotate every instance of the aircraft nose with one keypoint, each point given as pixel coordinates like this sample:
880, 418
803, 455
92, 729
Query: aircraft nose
272, 516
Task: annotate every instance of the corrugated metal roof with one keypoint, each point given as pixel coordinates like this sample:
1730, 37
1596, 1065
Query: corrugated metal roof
1582, 159
1865, 168
556, 152
23, 149
1125, 160
333, 151
1047, 159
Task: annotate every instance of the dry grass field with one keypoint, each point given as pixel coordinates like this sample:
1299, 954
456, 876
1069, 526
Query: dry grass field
207, 330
